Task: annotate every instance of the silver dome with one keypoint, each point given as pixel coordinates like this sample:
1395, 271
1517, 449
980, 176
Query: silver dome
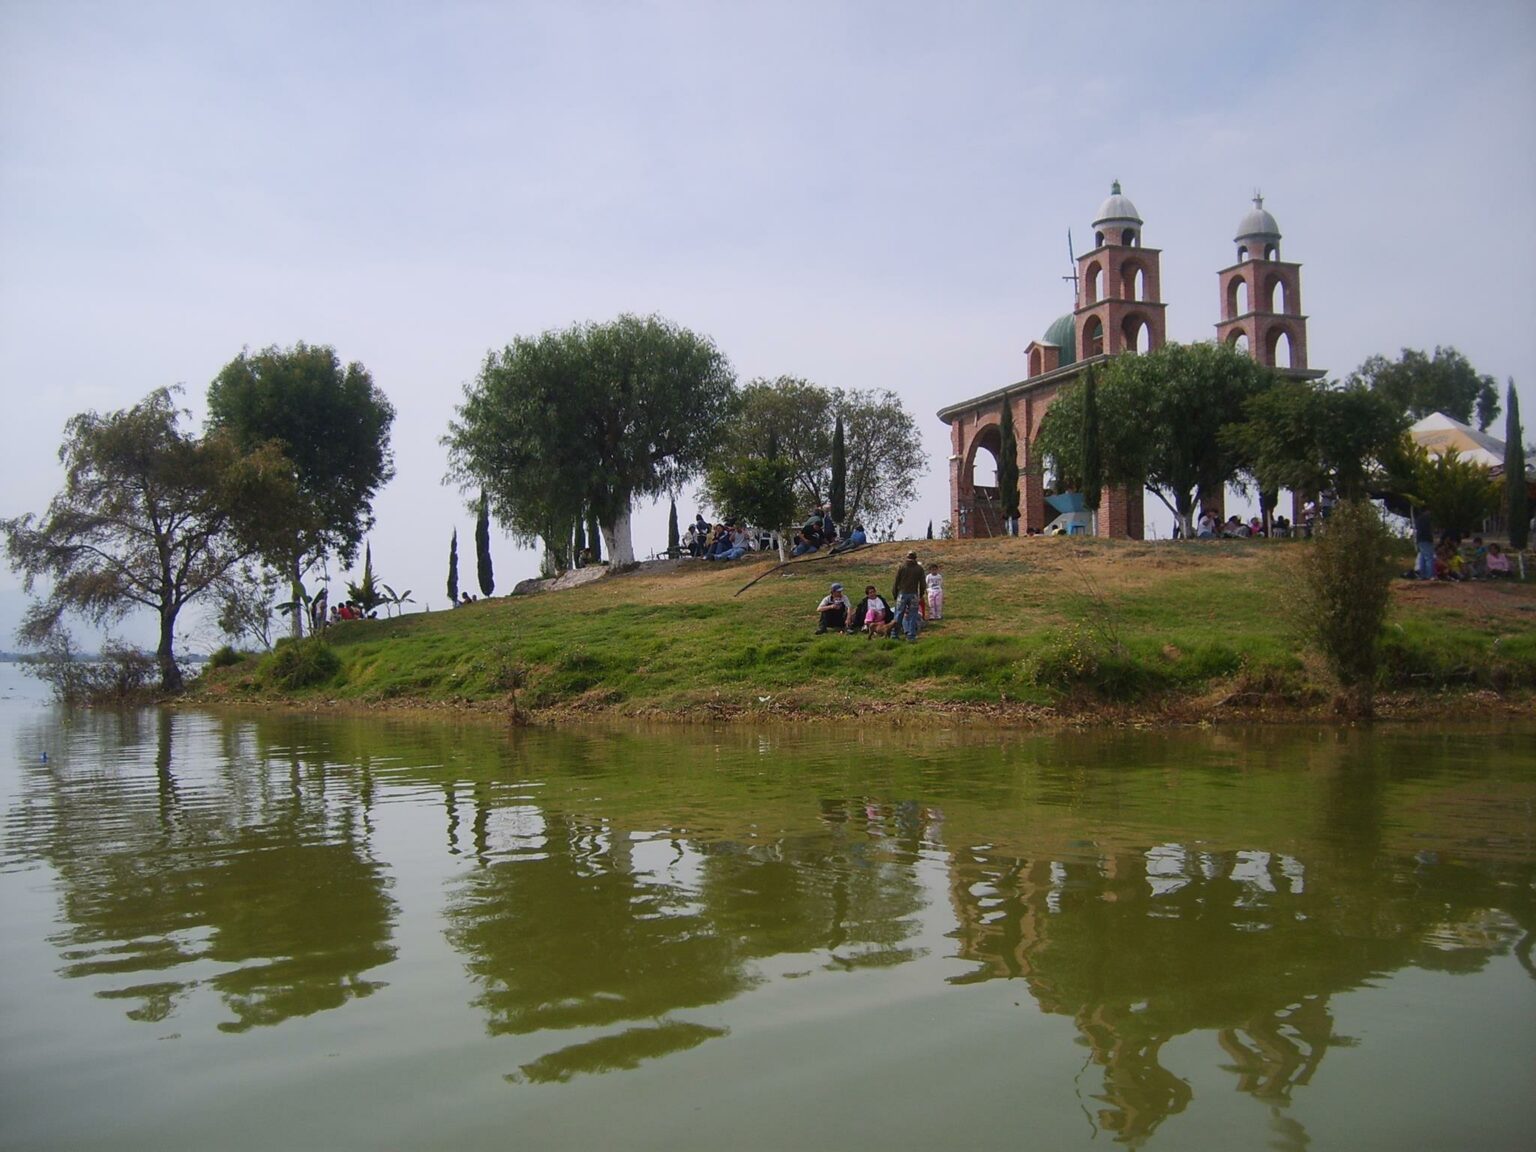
1117, 207
1258, 224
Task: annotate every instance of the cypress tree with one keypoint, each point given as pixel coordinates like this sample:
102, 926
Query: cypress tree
674, 538
1517, 508
453, 569
838, 497
483, 547
1008, 468
930, 529
1093, 461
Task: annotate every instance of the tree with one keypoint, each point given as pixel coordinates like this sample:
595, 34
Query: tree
149, 517
1517, 509
483, 547
674, 538
930, 529
453, 569
1311, 437
366, 594
588, 419
1458, 494
885, 456
332, 423
1008, 469
838, 497
758, 492
1417, 385
1093, 459
1160, 419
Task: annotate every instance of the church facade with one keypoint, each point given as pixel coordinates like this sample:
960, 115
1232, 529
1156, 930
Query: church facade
1119, 309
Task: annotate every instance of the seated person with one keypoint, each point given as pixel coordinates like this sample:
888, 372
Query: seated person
1280, 527
738, 544
1234, 528
1255, 527
856, 538
803, 544
1477, 559
833, 611
1205, 527
1497, 562
873, 609
1448, 563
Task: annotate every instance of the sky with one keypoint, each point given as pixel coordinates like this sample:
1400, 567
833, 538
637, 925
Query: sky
865, 195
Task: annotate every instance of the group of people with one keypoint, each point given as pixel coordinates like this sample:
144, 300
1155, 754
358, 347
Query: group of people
321, 615
819, 531
916, 595
1208, 527
729, 540
1446, 559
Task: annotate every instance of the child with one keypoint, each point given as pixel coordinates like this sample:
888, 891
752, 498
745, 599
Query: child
935, 593
1496, 562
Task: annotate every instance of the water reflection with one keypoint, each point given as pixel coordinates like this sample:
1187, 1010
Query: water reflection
244, 875
608, 894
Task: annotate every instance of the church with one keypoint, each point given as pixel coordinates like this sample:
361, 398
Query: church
1119, 309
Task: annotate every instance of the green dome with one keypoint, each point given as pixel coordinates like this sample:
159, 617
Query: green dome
1063, 333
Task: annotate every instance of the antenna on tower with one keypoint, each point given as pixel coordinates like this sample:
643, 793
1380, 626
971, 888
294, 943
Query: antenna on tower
1072, 257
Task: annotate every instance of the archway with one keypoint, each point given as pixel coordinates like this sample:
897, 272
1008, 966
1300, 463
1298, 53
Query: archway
1237, 297
1280, 349
1093, 337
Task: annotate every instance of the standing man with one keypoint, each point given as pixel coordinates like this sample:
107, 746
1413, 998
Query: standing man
907, 591
1424, 537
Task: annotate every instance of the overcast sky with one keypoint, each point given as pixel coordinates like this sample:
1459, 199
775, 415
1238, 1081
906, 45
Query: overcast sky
867, 195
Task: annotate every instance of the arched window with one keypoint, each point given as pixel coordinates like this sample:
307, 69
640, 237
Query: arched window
1135, 333
1280, 348
1128, 237
1242, 254
1275, 295
1035, 361
1133, 281
1271, 252
1237, 297
1093, 283
1238, 339
1093, 337
1098, 239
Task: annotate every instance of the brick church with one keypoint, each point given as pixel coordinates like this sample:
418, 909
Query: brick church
1119, 309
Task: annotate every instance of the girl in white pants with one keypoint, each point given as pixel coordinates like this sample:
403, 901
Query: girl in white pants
935, 593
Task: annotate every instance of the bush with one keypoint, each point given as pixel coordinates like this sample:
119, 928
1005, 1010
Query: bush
302, 663
225, 657
1343, 590
121, 675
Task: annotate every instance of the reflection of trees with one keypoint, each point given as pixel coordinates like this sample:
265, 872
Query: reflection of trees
170, 856
1141, 947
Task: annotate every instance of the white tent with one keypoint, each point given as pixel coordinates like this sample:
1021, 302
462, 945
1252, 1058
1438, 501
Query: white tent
1437, 433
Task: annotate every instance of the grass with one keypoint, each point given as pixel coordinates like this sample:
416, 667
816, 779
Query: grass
1043, 624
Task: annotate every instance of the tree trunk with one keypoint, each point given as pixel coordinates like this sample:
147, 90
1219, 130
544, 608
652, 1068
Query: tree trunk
170, 673
616, 535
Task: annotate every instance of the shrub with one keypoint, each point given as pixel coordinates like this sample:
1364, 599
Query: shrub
1345, 581
302, 663
225, 657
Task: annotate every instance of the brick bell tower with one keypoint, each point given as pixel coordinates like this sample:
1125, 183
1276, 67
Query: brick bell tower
1261, 297
1119, 293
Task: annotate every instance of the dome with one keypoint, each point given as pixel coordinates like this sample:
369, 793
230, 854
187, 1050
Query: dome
1063, 334
1117, 207
1258, 224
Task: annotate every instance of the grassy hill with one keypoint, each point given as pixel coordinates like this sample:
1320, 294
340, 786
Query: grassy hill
1034, 629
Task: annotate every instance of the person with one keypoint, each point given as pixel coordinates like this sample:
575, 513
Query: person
1205, 529
908, 589
1497, 562
803, 544
833, 611
1424, 538
856, 538
1255, 527
935, 593
1234, 528
828, 529
869, 611
1477, 561
1282, 527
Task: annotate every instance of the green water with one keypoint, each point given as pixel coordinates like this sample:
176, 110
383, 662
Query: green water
310, 933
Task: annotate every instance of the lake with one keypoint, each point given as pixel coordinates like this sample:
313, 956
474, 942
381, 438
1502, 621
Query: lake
297, 932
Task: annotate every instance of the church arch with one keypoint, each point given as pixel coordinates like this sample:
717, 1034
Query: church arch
1280, 348
1135, 333
1276, 295
1133, 280
1093, 337
1238, 339
1237, 297
1093, 283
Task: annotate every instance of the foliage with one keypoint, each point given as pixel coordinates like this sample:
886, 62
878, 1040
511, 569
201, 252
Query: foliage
1312, 437
333, 423
753, 491
1092, 456
366, 594
483, 570
1458, 494
796, 420
396, 600
1008, 465
1343, 593
838, 496
1160, 418
453, 569
226, 657
1517, 509
674, 537
245, 603
1417, 385
118, 674
305, 663
588, 419
149, 517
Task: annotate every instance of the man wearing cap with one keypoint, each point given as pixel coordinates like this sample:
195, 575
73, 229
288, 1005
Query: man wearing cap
906, 592
833, 611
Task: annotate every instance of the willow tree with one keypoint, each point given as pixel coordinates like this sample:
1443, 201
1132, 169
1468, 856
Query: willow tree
149, 518
588, 419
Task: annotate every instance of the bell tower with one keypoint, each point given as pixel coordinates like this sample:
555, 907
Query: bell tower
1119, 294
1261, 297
